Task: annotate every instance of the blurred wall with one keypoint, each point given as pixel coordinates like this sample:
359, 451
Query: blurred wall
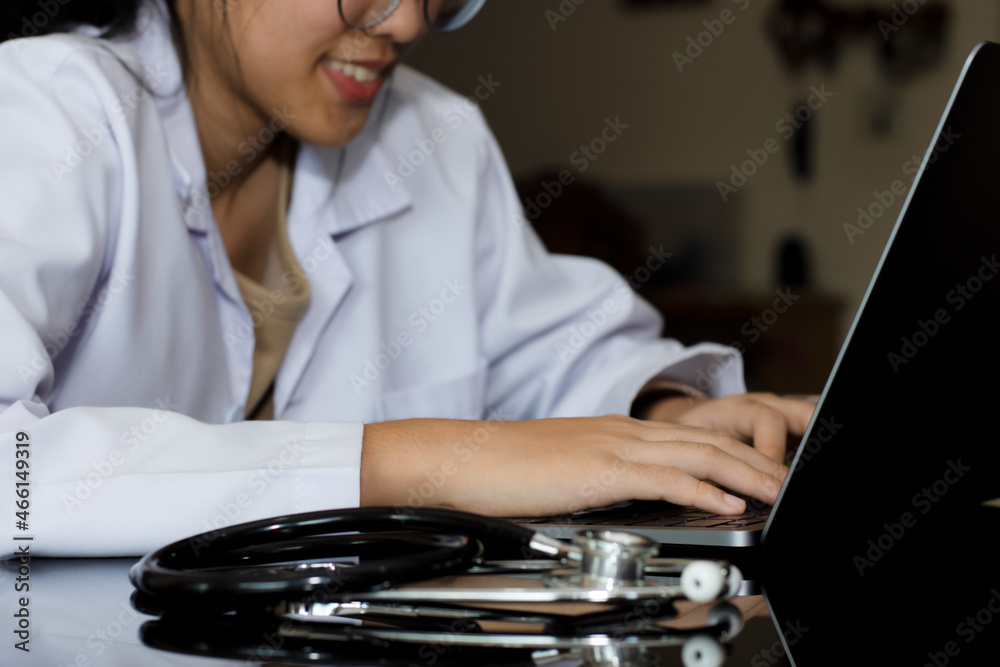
558, 85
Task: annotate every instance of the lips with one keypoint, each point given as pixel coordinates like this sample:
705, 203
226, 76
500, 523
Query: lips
358, 80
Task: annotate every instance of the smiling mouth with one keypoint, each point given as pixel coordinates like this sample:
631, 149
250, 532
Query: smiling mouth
359, 73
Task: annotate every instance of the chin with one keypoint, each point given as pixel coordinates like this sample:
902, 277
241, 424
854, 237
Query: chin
332, 130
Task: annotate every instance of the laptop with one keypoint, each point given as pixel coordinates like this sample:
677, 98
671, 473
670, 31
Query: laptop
903, 432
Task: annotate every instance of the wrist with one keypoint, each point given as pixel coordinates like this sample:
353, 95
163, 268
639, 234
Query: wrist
663, 400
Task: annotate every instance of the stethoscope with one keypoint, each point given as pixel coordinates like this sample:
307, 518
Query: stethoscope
323, 575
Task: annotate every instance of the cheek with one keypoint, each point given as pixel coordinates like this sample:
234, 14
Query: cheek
280, 72
278, 39
279, 59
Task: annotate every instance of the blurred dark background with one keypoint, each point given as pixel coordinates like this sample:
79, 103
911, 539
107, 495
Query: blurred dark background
741, 135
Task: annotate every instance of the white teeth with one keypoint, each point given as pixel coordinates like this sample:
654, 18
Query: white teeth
356, 72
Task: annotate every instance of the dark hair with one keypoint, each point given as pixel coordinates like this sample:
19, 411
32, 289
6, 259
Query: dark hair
28, 18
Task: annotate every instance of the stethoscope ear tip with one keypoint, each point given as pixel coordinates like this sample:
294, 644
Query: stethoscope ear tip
703, 651
727, 617
734, 581
704, 581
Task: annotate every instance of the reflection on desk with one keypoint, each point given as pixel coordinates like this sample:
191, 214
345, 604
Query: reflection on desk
81, 616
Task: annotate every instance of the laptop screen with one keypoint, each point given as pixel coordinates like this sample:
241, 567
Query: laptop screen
879, 536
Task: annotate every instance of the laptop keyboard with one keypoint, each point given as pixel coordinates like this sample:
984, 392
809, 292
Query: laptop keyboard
650, 514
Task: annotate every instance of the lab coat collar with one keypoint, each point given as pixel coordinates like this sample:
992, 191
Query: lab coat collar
345, 188
340, 189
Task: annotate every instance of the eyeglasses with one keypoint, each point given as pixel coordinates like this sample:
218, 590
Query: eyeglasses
441, 15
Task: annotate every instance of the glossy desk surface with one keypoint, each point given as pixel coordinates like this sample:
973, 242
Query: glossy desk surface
81, 615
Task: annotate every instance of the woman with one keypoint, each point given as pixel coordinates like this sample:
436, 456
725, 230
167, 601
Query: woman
221, 300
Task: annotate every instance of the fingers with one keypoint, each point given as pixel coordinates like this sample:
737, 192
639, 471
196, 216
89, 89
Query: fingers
663, 433
715, 457
770, 433
777, 417
797, 412
762, 419
679, 487
710, 463
808, 398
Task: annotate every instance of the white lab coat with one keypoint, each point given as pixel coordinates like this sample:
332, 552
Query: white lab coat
127, 350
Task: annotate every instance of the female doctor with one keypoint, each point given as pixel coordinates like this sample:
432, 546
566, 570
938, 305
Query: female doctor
221, 301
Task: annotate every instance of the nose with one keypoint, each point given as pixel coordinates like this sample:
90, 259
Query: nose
405, 25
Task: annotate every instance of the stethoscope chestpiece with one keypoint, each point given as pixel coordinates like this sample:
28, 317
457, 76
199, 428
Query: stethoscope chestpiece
610, 559
617, 562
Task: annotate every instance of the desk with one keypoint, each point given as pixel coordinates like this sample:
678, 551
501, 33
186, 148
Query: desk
80, 616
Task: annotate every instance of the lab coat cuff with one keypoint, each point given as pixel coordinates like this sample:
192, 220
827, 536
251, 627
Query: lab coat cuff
329, 476
713, 369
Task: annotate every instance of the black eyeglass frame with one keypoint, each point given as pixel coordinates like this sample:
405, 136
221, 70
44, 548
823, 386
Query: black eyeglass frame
464, 16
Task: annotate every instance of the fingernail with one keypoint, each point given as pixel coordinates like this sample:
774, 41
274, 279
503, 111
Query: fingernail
733, 501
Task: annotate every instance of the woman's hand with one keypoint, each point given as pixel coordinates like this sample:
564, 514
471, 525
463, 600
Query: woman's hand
761, 420
550, 466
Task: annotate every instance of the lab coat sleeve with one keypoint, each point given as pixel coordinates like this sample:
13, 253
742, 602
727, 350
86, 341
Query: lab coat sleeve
567, 336
71, 480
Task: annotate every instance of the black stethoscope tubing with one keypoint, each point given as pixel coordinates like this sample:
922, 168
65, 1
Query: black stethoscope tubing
261, 562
